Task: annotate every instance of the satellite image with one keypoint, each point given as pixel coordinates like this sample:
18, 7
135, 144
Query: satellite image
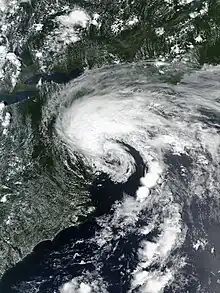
109, 146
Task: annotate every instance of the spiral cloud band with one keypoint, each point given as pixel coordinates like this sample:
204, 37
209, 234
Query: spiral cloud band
103, 112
